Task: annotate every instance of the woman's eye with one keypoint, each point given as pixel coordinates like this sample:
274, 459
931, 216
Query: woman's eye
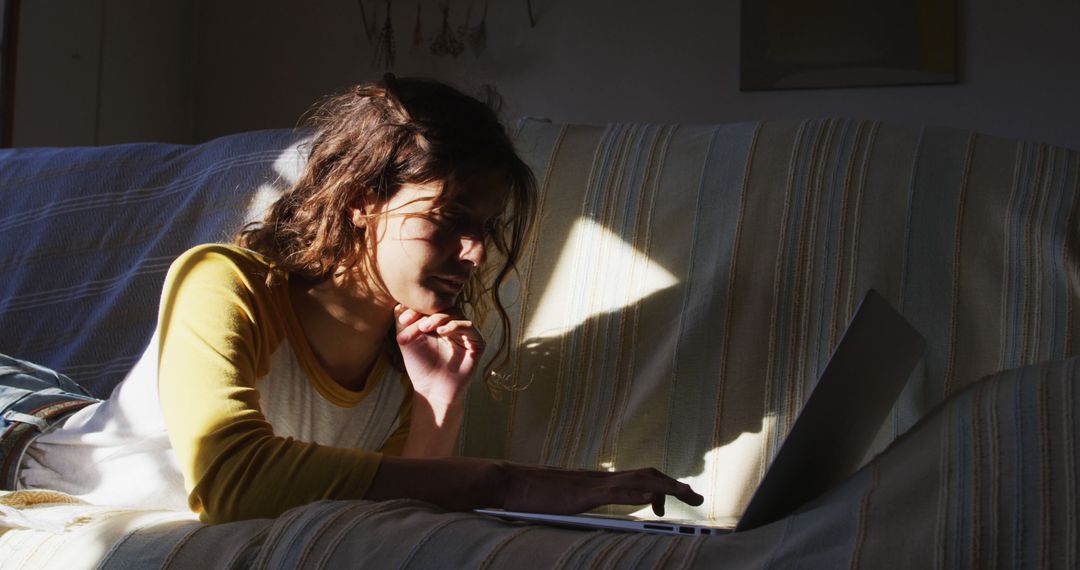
456, 222
449, 221
438, 218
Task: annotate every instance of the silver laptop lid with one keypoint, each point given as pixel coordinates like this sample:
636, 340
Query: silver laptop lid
838, 423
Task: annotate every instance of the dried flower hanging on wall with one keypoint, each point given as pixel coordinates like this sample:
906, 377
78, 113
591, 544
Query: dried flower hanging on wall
369, 25
463, 29
446, 42
532, 17
418, 32
478, 35
449, 41
385, 49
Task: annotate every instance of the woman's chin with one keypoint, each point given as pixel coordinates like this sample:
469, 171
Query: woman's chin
443, 306
432, 303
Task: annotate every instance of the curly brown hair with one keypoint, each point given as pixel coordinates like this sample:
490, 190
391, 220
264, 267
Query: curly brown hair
367, 143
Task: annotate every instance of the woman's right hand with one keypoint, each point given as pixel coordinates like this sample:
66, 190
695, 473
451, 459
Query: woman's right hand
564, 492
463, 483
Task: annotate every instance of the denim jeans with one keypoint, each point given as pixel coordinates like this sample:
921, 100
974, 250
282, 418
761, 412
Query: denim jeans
33, 400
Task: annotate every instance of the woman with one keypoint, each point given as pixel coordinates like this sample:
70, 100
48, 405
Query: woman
268, 383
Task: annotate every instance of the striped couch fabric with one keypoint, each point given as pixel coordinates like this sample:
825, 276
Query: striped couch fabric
681, 292
686, 285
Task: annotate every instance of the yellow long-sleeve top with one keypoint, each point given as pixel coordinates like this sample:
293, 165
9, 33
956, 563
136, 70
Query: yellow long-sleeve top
258, 427
254, 425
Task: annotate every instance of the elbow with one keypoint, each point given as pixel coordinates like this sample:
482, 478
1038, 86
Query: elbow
222, 503
230, 486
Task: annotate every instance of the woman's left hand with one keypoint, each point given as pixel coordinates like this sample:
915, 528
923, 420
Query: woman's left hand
440, 352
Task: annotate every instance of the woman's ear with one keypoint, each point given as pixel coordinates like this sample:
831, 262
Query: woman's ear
359, 217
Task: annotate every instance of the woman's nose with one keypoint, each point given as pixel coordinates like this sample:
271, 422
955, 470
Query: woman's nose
473, 251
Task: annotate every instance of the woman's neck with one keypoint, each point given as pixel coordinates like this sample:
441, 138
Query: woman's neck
345, 326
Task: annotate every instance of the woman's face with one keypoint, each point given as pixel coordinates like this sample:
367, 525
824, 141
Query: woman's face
426, 257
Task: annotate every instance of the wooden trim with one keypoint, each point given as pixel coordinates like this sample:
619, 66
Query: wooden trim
10, 43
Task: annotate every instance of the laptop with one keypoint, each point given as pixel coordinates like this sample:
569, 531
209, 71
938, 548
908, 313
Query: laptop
830, 437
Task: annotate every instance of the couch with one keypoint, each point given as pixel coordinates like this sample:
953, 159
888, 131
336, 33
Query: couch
682, 290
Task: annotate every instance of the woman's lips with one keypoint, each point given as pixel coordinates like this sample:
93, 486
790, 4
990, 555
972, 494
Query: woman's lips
452, 284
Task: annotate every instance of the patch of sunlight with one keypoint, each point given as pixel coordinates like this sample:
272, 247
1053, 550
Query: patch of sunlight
264, 198
597, 262
288, 166
91, 533
290, 163
730, 475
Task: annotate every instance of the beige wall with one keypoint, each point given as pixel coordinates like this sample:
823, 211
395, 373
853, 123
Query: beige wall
104, 71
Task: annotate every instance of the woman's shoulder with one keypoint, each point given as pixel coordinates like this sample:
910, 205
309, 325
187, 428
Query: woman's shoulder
226, 253
219, 260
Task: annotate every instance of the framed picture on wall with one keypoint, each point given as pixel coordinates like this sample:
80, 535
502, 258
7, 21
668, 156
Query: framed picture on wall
792, 44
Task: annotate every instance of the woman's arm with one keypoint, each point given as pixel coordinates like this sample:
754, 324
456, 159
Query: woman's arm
433, 430
218, 330
440, 353
462, 483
